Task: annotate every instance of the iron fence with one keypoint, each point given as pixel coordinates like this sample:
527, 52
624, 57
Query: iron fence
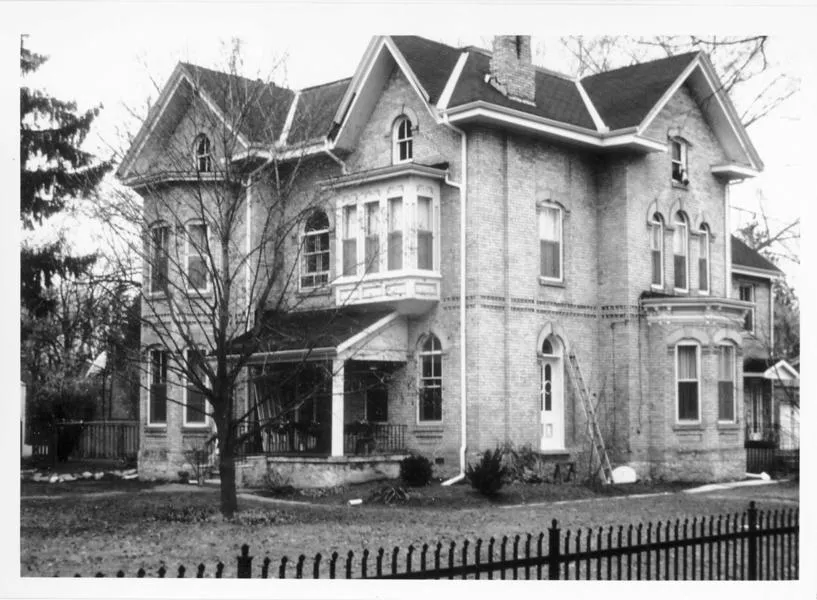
772, 460
754, 545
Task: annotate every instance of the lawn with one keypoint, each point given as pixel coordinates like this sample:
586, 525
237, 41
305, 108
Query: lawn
86, 533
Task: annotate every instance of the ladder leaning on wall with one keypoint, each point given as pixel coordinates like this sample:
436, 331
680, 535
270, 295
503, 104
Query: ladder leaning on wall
590, 413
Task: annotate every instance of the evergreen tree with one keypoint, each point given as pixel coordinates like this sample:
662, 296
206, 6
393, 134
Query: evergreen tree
53, 171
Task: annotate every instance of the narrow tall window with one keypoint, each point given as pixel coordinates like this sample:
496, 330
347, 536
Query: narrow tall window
431, 380
726, 383
204, 155
687, 379
703, 260
371, 215
195, 407
679, 162
425, 233
550, 242
403, 141
197, 251
315, 266
157, 405
747, 294
350, 240
657, 250
159, 241
680, 249
395, 234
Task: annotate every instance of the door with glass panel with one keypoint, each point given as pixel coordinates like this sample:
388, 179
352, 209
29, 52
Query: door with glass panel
551, 398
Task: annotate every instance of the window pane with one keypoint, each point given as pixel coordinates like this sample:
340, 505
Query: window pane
680, 271
549, 255
679, 237
349, 222
395, 214
425, 250
424, 213
703, 274
688, 400
726, 404
431, 404
372, 254
197, 273
676, 151
687, 362
350, 256
656, 239
725, 363
656, 267
549, 224
395, 250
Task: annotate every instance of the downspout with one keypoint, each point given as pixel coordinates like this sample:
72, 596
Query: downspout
334, 157
462, 186
248, 238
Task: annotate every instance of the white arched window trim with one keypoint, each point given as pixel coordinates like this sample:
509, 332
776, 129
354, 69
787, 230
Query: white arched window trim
727, 371
680, 250
315, 264
687, 382
656, 251
704, 261
429, 380
402, 140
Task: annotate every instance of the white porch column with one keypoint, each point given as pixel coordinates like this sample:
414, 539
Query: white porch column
338, 382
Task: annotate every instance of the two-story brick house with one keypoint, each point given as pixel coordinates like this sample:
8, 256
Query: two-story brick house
488, 223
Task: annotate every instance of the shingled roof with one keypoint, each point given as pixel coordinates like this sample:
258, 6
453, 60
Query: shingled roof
432, 62
315, 111
744, 256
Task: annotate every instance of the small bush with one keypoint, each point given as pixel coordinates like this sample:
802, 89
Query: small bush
389, 494
526, 465
488, 476
416, 471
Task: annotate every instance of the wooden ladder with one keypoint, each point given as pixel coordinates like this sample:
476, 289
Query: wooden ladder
590, 413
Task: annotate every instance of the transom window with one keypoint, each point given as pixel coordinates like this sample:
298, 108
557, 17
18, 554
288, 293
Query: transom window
703, 260
203, 154
159, 247
679, 161
680, 249
197, 252
403, 141
195, 405
315, 265
746, 292
726, 383
687, 382
657, 250
430, 380
550, 243
157, 375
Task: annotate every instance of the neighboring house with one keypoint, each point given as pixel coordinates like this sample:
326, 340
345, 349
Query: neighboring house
490, 224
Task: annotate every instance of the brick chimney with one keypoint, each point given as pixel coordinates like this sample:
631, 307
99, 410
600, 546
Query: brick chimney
512, 71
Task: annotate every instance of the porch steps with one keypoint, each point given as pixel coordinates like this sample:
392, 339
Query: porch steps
590, 412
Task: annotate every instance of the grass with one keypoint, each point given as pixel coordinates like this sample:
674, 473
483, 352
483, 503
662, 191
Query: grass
85, 534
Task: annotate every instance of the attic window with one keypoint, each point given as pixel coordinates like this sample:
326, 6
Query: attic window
680, 173
203, 154
402, 150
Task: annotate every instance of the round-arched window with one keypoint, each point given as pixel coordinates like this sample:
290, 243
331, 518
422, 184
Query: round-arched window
203, 154
402, 140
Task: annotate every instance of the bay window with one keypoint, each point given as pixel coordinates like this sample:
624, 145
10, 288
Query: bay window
726, 383
425, 233
371, 214
349, 226
687, 381
395, 234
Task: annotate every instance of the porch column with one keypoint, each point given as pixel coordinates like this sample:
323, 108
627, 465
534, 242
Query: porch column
338, 383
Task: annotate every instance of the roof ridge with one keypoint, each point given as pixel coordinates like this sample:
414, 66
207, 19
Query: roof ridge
641, 64
258, 80
318, 85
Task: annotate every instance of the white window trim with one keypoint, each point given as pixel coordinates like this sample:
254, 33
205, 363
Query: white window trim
207, 408
707, 238
734, 418
681, 224
207, 155
152, 254
751, 287
697, 347
684, 160
397, 140
151, 423
420, 354
660, 224
553, 206
301, 260
189, 250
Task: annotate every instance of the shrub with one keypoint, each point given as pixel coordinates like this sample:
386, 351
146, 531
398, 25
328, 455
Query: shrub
389, 494
526, 465
488, 476
415, 470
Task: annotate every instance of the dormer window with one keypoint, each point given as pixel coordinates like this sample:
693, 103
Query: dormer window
203, 154
402, 139
680, 173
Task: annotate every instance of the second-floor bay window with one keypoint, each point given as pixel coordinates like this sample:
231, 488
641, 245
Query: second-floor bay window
703, 260
395, 234
550, 242
159, 250
197, 252
425, 233
349, 233
680, 250
371, 216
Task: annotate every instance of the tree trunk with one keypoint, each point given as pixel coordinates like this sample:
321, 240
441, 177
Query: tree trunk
226, 468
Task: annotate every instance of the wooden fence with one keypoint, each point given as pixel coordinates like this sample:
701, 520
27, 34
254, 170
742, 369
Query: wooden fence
755, 545
80, 440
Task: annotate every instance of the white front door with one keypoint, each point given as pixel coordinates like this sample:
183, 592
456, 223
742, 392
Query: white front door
552, 404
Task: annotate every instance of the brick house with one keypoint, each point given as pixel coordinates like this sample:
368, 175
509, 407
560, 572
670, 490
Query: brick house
489, 223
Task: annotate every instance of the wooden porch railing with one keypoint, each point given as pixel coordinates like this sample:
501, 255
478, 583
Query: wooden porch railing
384, 438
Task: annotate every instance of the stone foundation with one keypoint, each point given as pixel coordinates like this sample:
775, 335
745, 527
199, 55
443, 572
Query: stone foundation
317, 472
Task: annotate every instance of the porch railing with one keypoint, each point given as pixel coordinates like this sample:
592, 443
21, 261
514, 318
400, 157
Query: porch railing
85, 439
765, 436
383, 438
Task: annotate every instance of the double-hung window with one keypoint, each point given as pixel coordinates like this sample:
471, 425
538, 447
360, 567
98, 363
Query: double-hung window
747, 294
195, 406
679, 161
197, 252
726, 383
680, 249
395, 258
371, 216
203, 154
425, 233
657, 250
315, 266
703, 260
350, 240
550, 243
159, 249
431, 380
403, 142
688, 383
157, 374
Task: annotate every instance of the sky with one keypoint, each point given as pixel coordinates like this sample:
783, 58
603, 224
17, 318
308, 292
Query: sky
119, 55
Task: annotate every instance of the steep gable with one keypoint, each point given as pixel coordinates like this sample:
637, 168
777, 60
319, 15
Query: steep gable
314, 111
432, 62
744, 256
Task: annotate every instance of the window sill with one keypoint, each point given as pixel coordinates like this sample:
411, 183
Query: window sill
196, 428
544, 281
728, 426
156, 429
688, 427
679, 186
434, 427
387, 274
324, 290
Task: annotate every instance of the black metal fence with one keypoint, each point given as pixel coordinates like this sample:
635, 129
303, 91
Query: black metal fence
772, 460
755, 545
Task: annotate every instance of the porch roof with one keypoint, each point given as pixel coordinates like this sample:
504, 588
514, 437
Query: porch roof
313, 334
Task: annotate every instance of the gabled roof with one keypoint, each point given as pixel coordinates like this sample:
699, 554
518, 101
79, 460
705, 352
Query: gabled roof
744, 256
315, 111
432, 62
624, 97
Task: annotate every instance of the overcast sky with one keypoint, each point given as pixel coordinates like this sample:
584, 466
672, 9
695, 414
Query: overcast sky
115, 54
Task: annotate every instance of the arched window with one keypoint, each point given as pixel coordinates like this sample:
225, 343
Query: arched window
430, 383
547, 347
703, 259
157, 377
727, 369
315, 265
657, 250
680, 249
402, 141
687, 377
203, 154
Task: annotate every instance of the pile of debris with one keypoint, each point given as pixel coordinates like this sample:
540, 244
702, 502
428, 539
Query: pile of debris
45, 476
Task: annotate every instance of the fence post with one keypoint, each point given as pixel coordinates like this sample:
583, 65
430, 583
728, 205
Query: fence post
244, 567
752, 571
553, 551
